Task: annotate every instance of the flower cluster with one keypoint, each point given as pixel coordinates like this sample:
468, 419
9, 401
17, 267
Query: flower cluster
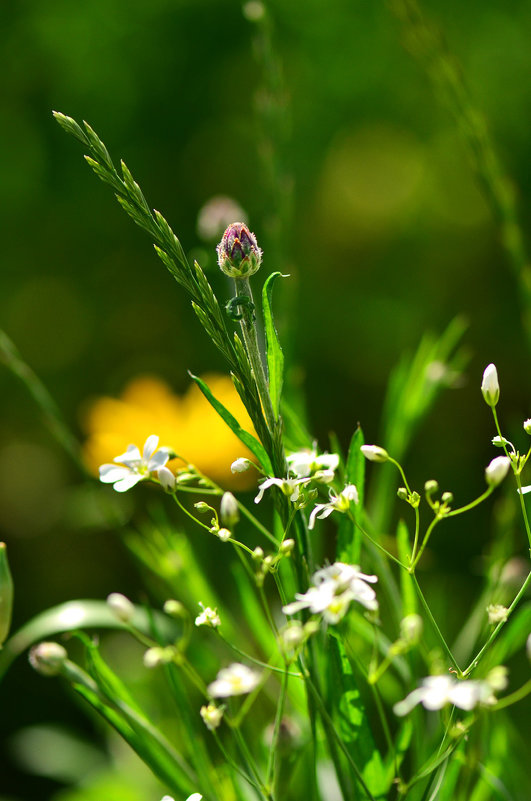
334, 587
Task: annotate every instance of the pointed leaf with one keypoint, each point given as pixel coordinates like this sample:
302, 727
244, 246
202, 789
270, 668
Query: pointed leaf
275, 357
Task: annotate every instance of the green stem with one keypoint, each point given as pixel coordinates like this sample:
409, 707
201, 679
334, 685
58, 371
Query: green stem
272, 759
433, 622
498, 628
243, 287
424, 543
524, 690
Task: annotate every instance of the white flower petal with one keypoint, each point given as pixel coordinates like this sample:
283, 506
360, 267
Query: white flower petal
128, 481
150, 446
131, 455
109, 473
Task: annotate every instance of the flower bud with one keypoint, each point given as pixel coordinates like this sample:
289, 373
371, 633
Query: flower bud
240, 465
402, 493
497, 613
166, 478
374, 453
175, 608
258, 554
238, 253
490, 387
229, 512
431, 486
48, 658
447, 497
286, 547
6, 594
411, 628
527, 426
224, 534
121, 607
497, 470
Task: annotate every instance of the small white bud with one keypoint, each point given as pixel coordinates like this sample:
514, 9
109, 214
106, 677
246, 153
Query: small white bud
411, 628
258, 554
490, 386
174, 608
240, 465
528, 647
374, 453
121, 607
286, 547
527, 426
166, 478
497, 470
229, 512
158, 655
497, 678
224, 534
48, 658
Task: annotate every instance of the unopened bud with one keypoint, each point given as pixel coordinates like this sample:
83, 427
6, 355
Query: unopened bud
287, 547
203, 507
224, 534
48, 658
447, 497
411, 628
159, 655
175, 608
402, 493
212, 716
374, 453
258, 554
431, 486
121, 607
6, 594
238, 253
497, 470
527, 426
240, 465
166, 478
497, 613
229, 512
490, 387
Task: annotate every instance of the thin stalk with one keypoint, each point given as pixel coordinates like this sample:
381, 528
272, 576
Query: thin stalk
273, 749
433, 622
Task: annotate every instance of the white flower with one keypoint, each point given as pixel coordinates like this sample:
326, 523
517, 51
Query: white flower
497, 613
237, 679
438, 691
334, 587
291, 487
496, 471
374, 453
208, 617
135, 466
337, 503
121, 607
490, 386
308, 463
212, 716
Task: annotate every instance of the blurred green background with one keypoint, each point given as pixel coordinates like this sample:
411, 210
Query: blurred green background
356, 180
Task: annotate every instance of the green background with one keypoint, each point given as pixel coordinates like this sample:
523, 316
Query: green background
356, 180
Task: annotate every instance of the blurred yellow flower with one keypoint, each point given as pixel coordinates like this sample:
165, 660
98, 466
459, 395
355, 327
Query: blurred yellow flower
188, 424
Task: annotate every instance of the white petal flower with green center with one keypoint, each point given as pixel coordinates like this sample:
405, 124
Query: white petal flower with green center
208, 617
237, 679
337, 503
335, 587
436, 692
133, 466
291, 487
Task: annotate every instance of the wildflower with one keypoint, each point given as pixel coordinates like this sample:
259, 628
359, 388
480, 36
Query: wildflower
438, 691
334, 587
497, 613
188, 422
496, 471
291, 487
134, 466
237, 679
238, 253
306, 463
374, 453
490, 386
229, 511
212, 716
48, 658
121, 607
216, 214
208, 617
337, 503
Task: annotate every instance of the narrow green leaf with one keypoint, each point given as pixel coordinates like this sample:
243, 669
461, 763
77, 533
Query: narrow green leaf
275, 357
6, 594
351, 719
409, 595
73, 616
349, 536
248, 440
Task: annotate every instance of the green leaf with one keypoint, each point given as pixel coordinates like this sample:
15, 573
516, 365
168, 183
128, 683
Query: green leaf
349, 537
409, 595
73, 616
275, 357
248, 440
351, 719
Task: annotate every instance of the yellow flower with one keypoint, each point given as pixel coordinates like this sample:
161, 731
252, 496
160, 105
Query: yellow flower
187, 424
